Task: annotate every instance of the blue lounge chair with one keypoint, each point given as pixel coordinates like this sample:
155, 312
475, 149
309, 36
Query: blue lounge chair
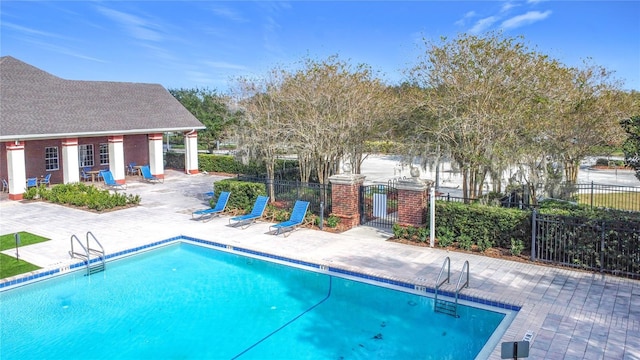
208, 214
32, 182
146, 175
131, 169
297, 217
110, 182
244, 221
84, 175
46, 180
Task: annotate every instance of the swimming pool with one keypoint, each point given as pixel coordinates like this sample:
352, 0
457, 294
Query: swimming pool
187, 301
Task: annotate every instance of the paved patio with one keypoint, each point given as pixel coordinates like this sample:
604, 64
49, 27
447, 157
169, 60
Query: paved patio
573, 315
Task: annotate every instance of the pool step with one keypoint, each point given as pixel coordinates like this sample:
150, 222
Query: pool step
98, 267
446, 307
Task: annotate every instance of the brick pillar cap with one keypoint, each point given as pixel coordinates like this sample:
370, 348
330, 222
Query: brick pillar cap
347, 179
413, 185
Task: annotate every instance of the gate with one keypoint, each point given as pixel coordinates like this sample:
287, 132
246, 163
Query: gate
378, 205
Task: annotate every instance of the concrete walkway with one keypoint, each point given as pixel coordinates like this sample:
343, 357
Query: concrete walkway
573, 315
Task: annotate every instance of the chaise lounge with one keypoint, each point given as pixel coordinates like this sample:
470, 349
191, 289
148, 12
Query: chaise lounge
296, 219
208, 214
243, 221
110, 182
147, 176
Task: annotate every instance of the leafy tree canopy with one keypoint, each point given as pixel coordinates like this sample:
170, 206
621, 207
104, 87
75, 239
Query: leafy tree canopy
631, 146
210, 108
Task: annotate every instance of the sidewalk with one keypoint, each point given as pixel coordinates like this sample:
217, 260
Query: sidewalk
574, 315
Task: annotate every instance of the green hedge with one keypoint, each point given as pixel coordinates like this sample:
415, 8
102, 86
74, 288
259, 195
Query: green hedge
226, 164
78, 194
489, 225
243, 194
174, 160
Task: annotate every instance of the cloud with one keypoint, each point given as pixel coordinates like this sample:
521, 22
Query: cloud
483, 24
224, 65
137, 27
30, 31
508, 6
525, 19
467, 16
229, 14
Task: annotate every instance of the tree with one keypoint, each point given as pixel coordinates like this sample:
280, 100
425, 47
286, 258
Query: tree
211, 109
631, 145
262, 129
324, 111
588, 116
478, 93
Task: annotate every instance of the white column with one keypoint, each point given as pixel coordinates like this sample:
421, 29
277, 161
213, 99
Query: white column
16, 167
156, 159
116, 158
191, 152
70, 161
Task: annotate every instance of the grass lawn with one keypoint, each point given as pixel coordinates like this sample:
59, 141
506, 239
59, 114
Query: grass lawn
621, 201
9, 266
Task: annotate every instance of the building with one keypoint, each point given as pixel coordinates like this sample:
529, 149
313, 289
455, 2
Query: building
50, 125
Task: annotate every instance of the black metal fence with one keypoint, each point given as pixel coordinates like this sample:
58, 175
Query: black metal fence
286, 193
607, 196
595, 195
602, 245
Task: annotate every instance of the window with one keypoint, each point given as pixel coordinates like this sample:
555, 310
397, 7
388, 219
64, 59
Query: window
85, 153
51, 158
104, 154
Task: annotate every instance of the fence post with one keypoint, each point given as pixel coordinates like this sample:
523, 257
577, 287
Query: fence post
321, 214
604, 223
592, 194
534, 215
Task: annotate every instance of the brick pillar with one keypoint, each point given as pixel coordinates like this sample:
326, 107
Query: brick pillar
345, 198
412, 202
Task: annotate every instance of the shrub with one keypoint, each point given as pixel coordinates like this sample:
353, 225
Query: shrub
243, 193
484, 244
482, 222
516, 247
465, 242
411, 231
333, 221
81, 195
398, 231
423, 234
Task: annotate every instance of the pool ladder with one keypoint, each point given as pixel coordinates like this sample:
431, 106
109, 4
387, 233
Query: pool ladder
99, 263
447, 307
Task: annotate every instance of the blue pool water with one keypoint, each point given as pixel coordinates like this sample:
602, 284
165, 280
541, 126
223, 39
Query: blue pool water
184, 301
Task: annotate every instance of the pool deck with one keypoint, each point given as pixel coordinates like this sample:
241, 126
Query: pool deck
573, 314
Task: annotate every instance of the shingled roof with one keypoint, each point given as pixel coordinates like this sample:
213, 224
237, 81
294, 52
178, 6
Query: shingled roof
37, 105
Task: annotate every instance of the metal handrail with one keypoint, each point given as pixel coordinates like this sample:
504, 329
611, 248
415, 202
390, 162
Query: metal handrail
72, 252
439, 283
101, 251
96, 251
466, 283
